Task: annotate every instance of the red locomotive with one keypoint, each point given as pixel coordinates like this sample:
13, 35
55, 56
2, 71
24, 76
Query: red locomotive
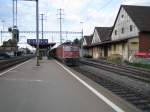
67, 53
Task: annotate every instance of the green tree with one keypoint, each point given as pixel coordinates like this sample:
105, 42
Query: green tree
77, 42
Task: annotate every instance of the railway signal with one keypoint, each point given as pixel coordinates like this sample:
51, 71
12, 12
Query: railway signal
15, 34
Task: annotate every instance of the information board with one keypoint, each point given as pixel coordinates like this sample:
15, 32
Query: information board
34, 41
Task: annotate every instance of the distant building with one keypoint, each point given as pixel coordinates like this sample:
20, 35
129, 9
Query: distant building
9, 46
99, 46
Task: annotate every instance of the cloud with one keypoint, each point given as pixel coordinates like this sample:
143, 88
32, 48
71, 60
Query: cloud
91, 12
72, 5
137, 2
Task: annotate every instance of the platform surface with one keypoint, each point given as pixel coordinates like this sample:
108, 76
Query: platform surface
47, 88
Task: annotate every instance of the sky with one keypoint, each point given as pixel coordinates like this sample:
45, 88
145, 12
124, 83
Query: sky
93, 13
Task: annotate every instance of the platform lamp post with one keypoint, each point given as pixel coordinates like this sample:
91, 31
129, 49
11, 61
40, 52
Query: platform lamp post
81, 39
37, 29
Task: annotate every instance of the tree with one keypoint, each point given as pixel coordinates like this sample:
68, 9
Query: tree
77, 42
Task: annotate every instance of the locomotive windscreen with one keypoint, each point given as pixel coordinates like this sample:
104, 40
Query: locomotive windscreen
71, 48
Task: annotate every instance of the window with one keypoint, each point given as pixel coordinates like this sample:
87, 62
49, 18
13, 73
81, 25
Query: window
114, 47
115, 32
134, 43
122, 15
122, 30
131, 28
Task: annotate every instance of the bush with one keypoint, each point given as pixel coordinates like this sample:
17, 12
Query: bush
115, 58
147, 66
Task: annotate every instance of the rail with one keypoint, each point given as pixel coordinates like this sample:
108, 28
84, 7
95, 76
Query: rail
139, 99
143, 76
4, 64
127, 67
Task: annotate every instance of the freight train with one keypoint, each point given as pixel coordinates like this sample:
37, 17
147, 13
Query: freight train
67, 53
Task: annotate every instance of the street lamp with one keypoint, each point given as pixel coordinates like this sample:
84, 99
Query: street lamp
37, 29
82, 39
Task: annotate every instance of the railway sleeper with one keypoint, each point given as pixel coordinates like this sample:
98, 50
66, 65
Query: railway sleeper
144, 107
138, 71
115, 87
135, 98
127, 95
120, 91
121, 71
137, 103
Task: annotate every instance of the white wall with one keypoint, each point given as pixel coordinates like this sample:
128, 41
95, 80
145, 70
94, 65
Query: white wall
96, 38
124, 22
84, 42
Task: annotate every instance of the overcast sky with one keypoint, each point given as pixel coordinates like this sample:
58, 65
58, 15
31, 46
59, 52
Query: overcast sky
91, 12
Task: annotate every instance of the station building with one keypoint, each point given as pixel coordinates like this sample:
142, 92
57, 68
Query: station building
129, 34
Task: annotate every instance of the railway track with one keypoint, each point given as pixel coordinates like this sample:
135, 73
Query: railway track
137, 74
123, 66
4, 64
134, 97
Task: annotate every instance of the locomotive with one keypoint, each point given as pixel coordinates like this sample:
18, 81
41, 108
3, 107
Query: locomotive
67, 53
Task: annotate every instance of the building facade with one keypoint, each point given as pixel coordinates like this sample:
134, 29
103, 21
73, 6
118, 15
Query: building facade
86, 45
99, 46
129, 34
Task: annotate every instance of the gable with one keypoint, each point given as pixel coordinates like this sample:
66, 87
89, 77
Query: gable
104, 33
140, 15
84, 42
96, 37
122, 27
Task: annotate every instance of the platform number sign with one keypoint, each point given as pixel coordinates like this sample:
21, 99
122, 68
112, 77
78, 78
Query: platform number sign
34, 41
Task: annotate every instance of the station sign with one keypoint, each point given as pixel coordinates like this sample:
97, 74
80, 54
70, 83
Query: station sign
34, 41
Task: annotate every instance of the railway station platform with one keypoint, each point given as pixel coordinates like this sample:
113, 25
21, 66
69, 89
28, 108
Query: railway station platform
53, 87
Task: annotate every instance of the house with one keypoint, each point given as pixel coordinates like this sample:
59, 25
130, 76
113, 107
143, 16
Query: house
131, 31
129, 34
99, 46
100, 42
